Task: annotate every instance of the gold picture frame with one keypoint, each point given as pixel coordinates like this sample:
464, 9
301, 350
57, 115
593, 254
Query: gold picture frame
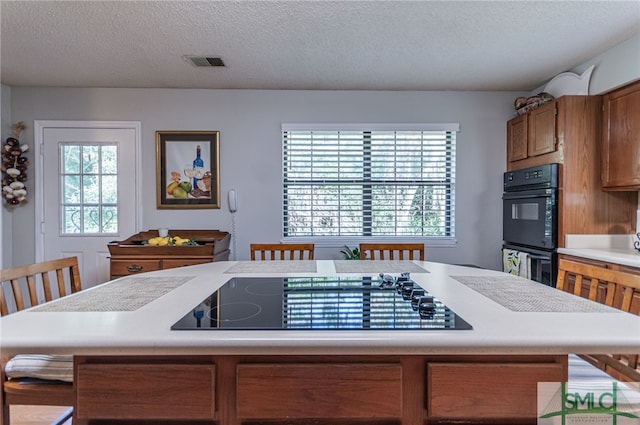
188, 169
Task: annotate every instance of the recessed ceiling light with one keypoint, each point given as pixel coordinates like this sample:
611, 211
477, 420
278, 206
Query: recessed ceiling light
204, 61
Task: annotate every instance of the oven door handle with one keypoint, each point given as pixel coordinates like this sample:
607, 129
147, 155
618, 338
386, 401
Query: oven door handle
508, 196
539, 257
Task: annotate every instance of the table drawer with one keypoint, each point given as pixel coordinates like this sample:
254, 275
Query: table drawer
485, 390
272, 391
127, 267
171, 391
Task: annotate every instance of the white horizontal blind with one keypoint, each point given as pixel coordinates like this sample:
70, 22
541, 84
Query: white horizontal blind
368, 183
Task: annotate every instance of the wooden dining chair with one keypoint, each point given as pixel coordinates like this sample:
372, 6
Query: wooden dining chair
614, 288
37, 379
392, 251
281, 251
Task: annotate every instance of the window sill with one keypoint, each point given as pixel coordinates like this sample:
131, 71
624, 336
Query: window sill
336, 242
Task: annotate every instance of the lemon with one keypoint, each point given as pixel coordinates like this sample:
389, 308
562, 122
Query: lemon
153, 241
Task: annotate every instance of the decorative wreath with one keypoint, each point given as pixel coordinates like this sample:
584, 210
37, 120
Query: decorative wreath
14, 167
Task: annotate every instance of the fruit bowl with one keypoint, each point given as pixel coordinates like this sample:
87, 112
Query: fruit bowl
169, 241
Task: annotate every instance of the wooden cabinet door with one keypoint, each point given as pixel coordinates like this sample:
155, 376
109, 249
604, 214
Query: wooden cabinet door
541, 130
517, 138
474, 391
153, 392
621, 138
278, 391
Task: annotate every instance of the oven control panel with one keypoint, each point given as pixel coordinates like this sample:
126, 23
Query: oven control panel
542, 176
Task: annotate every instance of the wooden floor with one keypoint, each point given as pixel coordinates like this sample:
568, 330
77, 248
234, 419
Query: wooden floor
36, 415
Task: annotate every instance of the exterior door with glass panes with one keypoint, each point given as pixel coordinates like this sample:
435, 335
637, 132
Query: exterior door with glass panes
90, 195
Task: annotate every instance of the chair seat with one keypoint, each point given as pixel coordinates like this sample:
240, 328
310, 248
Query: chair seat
40, 366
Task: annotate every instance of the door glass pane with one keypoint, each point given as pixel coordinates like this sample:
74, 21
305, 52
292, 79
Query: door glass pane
109, 160
71, 189
109, 191
109, 219
90, 159
71, 159
71, 217
91, 219
89, 188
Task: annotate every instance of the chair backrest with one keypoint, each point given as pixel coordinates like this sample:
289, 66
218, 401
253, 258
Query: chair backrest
614, 288
611, 287
392, 251
281, 251
64, 273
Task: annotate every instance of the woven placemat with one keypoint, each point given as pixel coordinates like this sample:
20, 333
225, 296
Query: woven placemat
377, 266
275, 266
128, 294
523, 295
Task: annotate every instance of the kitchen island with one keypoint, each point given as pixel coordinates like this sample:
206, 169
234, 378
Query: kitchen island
130, 365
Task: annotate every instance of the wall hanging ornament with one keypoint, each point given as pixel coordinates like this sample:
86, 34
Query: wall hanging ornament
14, 167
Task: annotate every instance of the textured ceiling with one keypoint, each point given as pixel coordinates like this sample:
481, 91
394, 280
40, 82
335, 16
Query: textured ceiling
328, 45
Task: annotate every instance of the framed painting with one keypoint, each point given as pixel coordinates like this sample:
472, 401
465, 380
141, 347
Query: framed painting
188, 169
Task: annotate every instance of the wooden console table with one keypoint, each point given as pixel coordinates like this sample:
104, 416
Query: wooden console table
132, 256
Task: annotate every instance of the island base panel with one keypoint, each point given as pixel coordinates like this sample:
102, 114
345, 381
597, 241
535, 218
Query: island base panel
312, 390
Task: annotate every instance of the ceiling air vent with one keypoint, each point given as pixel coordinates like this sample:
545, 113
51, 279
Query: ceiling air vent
204, 61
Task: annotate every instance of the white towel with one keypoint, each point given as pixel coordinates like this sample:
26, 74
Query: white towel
525, 265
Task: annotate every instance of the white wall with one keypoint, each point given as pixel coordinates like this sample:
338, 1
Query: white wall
5, 216
615, 67
249, 124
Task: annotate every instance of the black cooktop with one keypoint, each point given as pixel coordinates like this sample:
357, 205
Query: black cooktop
321, 303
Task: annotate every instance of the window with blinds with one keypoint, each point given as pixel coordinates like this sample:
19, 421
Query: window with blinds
372, 182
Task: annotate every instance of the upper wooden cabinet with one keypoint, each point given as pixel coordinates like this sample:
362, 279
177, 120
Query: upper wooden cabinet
541, 135
541, 130
621, 139
532, 134
517, 138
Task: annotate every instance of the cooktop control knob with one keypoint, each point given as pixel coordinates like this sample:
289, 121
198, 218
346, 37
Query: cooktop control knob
405, 290
426, 307
404, 277
416, 294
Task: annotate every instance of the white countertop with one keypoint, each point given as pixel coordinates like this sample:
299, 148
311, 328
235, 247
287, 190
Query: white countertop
496, 329
617, 249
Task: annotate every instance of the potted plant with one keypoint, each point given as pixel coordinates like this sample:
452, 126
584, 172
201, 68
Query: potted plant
350, 253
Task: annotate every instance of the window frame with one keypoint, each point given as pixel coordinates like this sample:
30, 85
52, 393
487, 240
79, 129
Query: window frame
332, 241
81, 174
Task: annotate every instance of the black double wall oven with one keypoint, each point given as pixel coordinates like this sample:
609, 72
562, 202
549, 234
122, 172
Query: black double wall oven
530, 218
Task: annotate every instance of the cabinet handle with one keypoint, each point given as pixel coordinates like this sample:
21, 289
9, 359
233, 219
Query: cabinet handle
134, 268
